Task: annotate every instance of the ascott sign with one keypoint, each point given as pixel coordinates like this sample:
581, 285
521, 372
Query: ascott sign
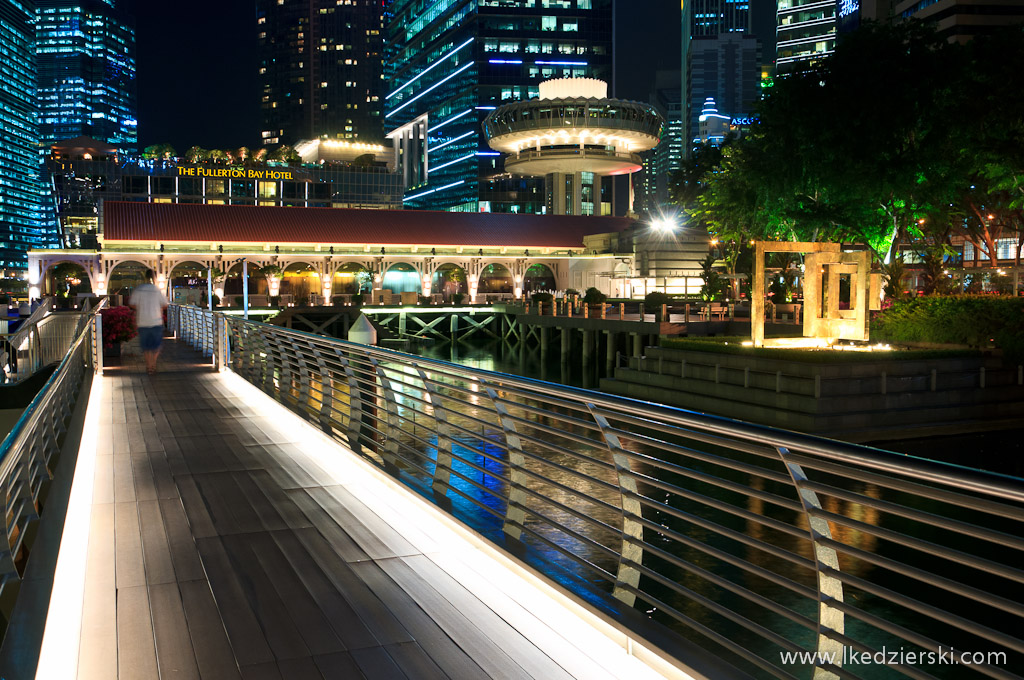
233, 173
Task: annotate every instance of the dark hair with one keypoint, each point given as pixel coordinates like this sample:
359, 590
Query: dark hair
150, 275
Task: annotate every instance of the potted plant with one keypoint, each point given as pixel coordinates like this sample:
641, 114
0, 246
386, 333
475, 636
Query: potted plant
118, 327
541, 299
457, 298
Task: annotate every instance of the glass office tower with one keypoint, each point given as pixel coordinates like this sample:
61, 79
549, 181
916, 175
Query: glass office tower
449, 63
805, 35
319, 70
21, 223
86, 60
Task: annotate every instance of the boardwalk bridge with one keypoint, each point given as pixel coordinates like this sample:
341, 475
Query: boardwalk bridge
277, 504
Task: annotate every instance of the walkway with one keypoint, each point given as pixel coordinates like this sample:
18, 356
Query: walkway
220, 549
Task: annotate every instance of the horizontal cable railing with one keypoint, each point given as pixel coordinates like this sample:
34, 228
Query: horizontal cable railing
29, 456
758, 545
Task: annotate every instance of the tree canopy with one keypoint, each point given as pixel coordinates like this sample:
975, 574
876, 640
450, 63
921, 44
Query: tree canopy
898, 137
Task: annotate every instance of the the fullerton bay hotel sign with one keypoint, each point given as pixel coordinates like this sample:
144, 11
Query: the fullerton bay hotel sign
233, 173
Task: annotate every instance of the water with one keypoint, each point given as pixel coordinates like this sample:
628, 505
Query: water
695, 533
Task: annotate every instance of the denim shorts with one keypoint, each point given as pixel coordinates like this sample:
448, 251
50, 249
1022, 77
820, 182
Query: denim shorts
150, 337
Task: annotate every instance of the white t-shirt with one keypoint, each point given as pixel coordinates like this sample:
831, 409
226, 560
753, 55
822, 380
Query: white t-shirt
149, 305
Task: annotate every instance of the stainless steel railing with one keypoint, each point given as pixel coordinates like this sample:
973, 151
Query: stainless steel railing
43, 339
28, 456
749, 542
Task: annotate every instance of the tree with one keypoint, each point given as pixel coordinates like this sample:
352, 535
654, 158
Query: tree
162, 151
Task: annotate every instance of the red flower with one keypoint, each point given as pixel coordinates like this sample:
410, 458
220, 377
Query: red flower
118, 325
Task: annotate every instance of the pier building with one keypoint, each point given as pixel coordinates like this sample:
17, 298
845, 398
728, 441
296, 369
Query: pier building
572, 135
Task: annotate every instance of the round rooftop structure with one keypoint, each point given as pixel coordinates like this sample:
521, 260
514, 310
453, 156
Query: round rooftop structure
573, 127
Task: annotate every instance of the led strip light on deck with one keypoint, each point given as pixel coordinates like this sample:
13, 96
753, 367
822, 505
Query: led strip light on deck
59, 652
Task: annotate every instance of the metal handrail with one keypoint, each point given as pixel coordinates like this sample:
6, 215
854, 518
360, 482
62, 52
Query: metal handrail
41, 340
747, 540
28, 455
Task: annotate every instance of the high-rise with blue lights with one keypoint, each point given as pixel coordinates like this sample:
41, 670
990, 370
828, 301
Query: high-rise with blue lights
21, 223
86, 61
721, 59
451, 62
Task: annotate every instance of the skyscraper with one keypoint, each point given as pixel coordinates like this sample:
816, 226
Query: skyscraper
805, 34
86, 61
319, 70
666, 158
956, 20
721, 59
21, 224
449, 64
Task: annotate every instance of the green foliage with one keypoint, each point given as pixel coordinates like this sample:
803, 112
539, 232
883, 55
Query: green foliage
357, 299
271, 271
894, 272
216, 300
425, 300
239, 300
940, 152
275, 300
542, 297
961, 319
594, 297
570, 292
714, 284
655, 299
457, 298
284, 154
159, 152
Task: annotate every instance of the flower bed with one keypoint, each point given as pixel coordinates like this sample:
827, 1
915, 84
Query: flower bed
118, 325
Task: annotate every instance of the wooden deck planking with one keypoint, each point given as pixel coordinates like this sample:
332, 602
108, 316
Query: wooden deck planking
220, 549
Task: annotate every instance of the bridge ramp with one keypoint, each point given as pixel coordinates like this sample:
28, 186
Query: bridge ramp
228, 540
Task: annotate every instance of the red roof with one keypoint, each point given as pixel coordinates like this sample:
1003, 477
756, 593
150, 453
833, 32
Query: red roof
168, 222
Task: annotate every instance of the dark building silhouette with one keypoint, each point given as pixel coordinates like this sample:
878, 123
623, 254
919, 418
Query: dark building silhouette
319, 70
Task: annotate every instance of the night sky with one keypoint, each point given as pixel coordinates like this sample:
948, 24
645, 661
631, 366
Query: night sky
197, 64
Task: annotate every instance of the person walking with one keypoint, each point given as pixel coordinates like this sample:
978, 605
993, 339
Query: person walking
149, 303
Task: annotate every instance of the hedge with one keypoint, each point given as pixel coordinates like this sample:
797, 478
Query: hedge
977, 321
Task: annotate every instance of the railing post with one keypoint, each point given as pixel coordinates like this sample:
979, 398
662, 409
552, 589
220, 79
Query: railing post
443, 464
830, 589
627, 580
355, 404
515, 512
390, 452
97, 343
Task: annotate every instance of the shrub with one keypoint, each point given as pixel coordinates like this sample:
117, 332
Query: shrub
457, 298
655, 299
425, 300
275, 300
357, 299
216, 300
118, 325
542, 297
571, 291
958, 319
594, 297
239, 300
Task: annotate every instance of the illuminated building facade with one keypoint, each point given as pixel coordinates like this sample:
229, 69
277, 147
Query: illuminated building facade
339, 175
957, 20
573, 135
21, 223
449, 64
666, 158
721, 59
86, 60
805, 33
319, 70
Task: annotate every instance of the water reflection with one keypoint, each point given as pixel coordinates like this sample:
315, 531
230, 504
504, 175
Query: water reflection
724, 526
